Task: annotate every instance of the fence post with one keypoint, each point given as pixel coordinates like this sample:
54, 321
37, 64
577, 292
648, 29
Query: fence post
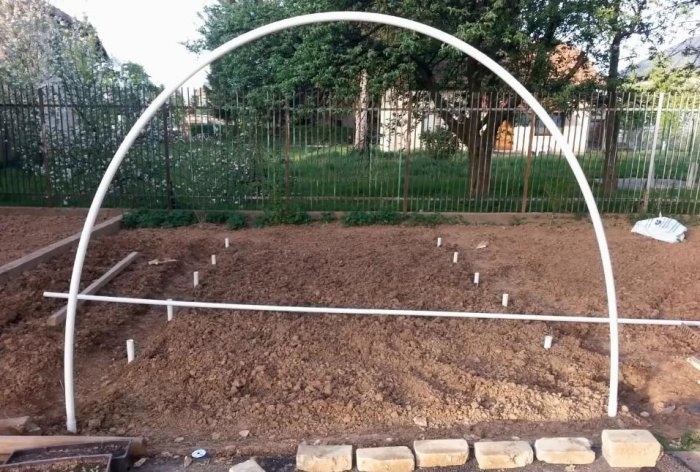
406, 175
528, 166
287, 127
654, 141
166, 146
45, 149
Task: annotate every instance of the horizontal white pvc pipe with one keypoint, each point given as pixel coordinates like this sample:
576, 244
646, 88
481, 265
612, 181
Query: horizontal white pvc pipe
235, 43
372, 311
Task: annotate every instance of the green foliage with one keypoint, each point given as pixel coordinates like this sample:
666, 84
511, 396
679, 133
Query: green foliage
363, 218
236, 221
203, 129
332, 56
282, 216
440, 143
427, 219
216, 217
143, 218
327, 217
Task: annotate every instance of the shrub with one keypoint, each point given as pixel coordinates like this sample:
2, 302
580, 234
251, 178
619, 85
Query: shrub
158, 218
217, 217
327, 217
236, 221
440, 143
282, 216
363, 218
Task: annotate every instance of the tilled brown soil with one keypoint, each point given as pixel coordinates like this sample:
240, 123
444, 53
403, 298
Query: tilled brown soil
22, 233
210, 374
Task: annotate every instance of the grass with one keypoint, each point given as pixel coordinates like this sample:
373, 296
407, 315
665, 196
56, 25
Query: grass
325, 174
689, 441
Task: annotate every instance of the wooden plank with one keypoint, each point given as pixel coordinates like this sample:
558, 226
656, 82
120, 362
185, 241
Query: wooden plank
59, 316
32, 260
8, 444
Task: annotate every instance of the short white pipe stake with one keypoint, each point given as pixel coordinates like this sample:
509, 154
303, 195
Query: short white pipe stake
129, 351
455, 257
504, 302
213, 259
439, 242
171, 310
548, 342
195, 278
226, 243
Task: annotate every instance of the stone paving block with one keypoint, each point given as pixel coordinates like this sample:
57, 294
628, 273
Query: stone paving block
248, 466
385, 459
630, 448
503, 454
694, 361
441, 452
324, 458
564, 451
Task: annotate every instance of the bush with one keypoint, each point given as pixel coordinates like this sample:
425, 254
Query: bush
440, 143
236, 221
217, 217
158, 219
363, 218
282, 216
327, 217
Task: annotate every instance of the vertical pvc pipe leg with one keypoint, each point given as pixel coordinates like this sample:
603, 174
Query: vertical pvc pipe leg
213, 259
439, 242
476, 278
195, 278
130, 351
171, 310
504, 300
226, 243
455, 257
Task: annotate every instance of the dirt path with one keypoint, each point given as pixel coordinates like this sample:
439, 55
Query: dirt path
287, 377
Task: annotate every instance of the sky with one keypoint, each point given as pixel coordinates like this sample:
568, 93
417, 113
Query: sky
148, 32
151, 33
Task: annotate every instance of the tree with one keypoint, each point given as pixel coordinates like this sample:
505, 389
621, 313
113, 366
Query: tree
48, 57
521, 34
610, 23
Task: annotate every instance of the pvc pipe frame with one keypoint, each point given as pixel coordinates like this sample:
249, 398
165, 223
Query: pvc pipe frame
71, 422
372, 311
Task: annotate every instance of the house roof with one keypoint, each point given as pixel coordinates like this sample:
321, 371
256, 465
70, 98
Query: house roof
65, 19
683, 54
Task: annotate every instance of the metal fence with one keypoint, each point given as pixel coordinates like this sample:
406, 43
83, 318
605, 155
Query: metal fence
314, 151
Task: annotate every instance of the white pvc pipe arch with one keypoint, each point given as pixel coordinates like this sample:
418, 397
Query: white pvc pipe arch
71, 422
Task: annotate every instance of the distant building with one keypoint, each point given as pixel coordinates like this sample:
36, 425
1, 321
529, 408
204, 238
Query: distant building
514, 132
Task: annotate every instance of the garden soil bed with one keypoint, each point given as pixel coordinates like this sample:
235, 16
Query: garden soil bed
208, 375
23, 233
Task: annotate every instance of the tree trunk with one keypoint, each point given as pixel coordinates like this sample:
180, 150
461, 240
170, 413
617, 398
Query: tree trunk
476, 128
360, 142
612, 121
479, 168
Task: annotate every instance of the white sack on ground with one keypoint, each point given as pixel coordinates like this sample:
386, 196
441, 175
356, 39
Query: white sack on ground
661, 228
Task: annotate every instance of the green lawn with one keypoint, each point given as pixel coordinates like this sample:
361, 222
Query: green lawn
326, 174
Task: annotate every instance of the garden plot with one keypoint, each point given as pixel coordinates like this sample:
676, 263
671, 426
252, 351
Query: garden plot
23, 232
211, 374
